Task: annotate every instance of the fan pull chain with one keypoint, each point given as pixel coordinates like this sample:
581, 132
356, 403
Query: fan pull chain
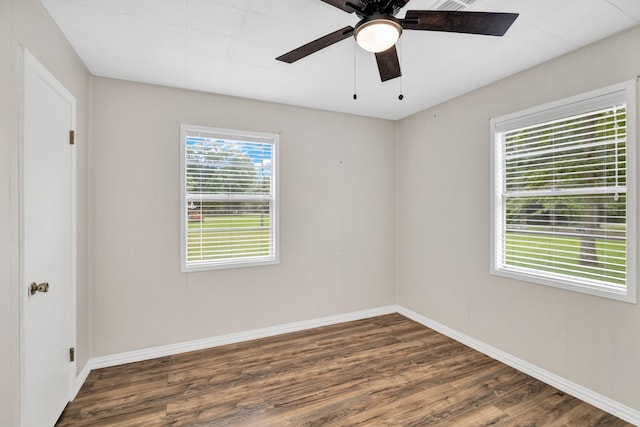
355, 95
399, 46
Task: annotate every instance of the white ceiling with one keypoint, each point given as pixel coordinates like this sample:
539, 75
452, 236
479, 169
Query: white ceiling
229, 47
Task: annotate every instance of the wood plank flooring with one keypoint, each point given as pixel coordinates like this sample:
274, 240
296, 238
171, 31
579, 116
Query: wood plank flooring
383, 371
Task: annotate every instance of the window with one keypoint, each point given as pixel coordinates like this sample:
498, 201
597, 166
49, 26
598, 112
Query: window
229, 198
563, 199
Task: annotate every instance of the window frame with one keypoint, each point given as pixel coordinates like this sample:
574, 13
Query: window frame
228, 263
566, 108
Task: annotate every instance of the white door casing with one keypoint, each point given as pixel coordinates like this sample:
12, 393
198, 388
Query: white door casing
48, 244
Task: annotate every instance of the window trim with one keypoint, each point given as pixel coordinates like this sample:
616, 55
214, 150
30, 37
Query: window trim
274, 222
565, 108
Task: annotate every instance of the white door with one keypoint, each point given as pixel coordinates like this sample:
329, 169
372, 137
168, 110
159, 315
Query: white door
48, 248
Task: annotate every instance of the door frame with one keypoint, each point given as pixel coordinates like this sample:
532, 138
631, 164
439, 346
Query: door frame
29, 62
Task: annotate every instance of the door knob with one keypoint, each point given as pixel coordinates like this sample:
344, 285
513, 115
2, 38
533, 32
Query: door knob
42, 287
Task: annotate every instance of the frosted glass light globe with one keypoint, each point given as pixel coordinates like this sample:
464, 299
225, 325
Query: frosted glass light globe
378, 35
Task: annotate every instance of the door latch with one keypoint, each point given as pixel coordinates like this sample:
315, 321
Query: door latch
42, 287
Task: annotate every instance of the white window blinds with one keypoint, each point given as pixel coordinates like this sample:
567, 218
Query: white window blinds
562, 194
229, 186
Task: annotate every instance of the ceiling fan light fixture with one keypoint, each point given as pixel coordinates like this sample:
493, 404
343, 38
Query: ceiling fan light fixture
377, 34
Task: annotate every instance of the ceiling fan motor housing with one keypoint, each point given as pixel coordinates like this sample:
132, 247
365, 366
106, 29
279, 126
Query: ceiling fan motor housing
372, 7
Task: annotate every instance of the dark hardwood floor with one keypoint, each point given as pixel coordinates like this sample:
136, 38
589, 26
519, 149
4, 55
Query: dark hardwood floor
384, 371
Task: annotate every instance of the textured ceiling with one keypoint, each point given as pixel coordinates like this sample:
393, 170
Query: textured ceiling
229, 47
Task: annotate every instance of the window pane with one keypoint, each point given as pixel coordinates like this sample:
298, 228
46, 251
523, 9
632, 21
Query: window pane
576, 236
580, 152
223, 167
219, 230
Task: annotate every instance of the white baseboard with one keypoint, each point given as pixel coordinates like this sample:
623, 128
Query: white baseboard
168, 350
606, 404
81, 378
599, 401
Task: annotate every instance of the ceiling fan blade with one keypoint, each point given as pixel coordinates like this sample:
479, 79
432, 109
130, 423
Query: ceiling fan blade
316, 45
486, 23
348, 6
388, 64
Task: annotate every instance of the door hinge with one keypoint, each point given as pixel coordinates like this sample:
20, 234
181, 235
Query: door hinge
72, 137
72, 354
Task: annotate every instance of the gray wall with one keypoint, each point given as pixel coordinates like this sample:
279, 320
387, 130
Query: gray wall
26, 23
444, 241
337, 205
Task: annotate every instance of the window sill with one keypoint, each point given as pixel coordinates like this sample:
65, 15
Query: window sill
229, 264
618, 293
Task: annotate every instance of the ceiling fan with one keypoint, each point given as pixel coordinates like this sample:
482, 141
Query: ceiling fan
378, 29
